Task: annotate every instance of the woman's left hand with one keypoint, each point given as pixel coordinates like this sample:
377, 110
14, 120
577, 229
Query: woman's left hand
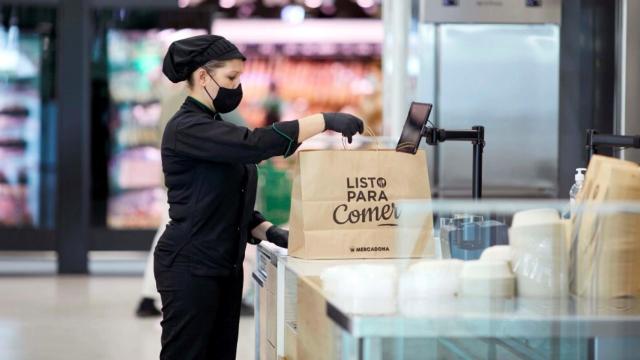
278, 236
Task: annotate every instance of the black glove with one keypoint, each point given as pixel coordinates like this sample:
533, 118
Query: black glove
278, 236
346, 124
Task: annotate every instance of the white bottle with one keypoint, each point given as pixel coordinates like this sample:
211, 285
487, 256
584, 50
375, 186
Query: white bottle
575, 189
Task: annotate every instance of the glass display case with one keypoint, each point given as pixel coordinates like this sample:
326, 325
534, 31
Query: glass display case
27, 120
137, 89
20, 133
565, 285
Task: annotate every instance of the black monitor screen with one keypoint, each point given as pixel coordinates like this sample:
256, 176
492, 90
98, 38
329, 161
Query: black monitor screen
412, 130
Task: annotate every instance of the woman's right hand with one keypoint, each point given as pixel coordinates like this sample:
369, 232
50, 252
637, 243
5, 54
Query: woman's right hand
346, 124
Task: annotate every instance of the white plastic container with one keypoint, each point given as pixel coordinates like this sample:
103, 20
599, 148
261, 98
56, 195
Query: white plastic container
426, 281
431, 278
535, 217
362, 289
488, 279
497, 252
540, 254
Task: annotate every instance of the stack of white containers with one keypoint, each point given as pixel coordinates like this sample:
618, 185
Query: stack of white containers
540, 253
362, 289
536, 260
427, 281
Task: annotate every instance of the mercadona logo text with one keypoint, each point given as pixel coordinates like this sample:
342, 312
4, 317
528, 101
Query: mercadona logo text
370, 249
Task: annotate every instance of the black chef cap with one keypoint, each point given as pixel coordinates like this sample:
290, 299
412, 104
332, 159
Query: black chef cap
187, 55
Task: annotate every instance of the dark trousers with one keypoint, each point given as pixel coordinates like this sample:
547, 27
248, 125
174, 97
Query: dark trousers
200, 314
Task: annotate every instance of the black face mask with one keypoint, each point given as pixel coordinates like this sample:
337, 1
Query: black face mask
227, 99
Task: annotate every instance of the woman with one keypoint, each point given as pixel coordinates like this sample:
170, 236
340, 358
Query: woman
210, 174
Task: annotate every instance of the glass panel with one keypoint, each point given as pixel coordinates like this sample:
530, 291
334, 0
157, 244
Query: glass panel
562, 287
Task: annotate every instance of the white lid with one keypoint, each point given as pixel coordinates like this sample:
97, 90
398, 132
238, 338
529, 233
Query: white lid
535, 217
580, 174
496, 252
486, 269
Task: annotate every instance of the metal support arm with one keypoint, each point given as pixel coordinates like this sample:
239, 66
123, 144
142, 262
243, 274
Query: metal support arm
475, 136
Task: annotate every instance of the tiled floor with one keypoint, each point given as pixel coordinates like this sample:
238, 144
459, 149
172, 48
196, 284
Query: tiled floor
83, 318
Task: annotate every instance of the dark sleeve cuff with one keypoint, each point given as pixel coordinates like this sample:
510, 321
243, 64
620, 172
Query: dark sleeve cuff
290, 131
256, 220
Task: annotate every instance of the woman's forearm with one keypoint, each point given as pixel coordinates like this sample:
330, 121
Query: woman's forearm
310, 126
260, 231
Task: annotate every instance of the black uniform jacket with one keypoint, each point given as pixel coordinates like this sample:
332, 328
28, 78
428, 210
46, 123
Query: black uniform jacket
210, 172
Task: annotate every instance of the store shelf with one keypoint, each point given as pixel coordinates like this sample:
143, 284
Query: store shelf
21, 135
26, 239
14, 144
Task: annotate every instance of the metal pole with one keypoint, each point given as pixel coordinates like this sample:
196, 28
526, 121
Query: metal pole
72, 203
478, 146
591, 149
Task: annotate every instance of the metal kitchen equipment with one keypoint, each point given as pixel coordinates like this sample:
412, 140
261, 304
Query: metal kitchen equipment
497, 62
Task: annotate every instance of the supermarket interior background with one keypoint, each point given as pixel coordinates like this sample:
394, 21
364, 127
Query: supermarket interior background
84, 103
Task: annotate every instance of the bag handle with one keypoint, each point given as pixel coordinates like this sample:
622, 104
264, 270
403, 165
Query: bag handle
368, 131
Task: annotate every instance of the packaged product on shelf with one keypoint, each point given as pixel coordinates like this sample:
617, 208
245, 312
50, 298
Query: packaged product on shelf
138, 168
129, 136
137, 209
14, 209
11, 128
352, 85
9, 214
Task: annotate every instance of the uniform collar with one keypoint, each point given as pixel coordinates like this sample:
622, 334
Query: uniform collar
193, 101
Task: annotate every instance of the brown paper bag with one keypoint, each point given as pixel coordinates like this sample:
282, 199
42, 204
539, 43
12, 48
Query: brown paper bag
605, 253
344, 204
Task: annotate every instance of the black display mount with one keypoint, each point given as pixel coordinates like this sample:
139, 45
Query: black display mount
435, 135
595, 140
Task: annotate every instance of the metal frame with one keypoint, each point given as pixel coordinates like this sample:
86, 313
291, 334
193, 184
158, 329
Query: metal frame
73, 152
627, 70
435, 135
587, 69
595, 141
